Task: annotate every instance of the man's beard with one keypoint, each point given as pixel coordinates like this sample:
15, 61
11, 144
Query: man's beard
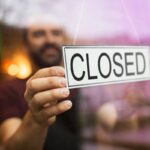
49, 62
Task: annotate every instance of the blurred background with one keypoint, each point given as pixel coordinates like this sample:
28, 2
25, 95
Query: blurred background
113, 117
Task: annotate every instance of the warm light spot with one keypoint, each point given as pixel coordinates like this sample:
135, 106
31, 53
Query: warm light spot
13, 70
24, 66
24, 71
19, 66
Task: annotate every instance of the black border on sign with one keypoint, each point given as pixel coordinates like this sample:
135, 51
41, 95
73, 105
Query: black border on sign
102, 83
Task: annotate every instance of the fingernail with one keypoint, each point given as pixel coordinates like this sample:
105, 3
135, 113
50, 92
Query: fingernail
68, 104
62, 82
64, 91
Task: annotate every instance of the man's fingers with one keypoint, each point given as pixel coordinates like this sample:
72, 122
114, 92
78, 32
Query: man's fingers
41, 98
49, 114
51, 120
43, 91
31, 86
47, 72
46, 83
57, 109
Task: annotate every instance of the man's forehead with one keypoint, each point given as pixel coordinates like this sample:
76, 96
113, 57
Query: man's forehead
42, 26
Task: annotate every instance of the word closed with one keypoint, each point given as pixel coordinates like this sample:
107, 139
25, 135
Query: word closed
99, 65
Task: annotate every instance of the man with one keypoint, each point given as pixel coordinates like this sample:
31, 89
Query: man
28, 109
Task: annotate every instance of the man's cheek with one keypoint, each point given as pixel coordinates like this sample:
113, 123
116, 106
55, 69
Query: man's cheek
38, 42
60, 41
37, 48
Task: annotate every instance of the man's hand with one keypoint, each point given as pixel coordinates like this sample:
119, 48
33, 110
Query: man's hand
44, 92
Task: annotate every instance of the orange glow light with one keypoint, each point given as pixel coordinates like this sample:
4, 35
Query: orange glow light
19, 67
13, 70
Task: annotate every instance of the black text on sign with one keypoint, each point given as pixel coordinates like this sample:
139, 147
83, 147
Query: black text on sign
96, 65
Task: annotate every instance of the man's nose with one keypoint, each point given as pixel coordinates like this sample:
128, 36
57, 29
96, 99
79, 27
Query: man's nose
50, 38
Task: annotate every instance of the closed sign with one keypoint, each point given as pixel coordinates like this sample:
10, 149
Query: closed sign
99, 65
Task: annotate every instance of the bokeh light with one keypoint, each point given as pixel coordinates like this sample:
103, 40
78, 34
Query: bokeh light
18, 66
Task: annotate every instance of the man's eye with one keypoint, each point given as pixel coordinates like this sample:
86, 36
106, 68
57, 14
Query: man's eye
56, 32
38, 33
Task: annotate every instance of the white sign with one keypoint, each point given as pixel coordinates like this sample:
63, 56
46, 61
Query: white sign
99, 65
